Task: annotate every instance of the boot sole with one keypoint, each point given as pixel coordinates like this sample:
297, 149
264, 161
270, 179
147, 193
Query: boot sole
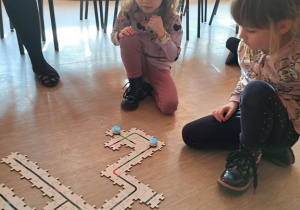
276, 161
126, 108
236, 189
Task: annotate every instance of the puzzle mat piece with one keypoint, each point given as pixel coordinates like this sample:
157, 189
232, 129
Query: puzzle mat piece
134, 158
132, 189
135, 139
142, 151
10, 201
61, 195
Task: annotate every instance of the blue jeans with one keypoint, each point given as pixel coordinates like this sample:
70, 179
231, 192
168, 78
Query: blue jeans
261, 123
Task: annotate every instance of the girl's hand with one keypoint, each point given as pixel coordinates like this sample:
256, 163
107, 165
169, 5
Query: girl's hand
127, 31
156, 25
225, 112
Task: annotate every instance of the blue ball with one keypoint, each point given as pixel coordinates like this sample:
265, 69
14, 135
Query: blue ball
116, 128
153, 140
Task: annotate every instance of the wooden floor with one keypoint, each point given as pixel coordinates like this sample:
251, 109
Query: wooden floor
63, 128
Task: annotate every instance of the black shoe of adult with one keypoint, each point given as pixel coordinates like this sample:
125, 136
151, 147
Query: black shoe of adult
47, 75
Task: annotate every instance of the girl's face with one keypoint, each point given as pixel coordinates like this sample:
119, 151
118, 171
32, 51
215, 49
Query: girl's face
148, 6
256, 38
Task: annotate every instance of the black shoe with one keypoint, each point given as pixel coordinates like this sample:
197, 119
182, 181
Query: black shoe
133, 94
46, 75
241, 170
283, 159
147, 88
231, 59
232, 44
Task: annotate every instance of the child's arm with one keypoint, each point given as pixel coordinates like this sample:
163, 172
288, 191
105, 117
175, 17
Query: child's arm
246, 59
235, 95
121, 22
169, 39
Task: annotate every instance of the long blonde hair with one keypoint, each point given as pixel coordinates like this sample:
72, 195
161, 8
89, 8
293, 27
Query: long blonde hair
265, 14
167, 9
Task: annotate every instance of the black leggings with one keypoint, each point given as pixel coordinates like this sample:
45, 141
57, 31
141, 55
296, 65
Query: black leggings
261, 123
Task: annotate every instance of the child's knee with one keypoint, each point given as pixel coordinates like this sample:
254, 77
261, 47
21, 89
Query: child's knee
130, 41
169, 107
186, 134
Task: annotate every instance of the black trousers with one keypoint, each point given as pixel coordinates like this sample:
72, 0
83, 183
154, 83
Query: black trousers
24, 16
261, 123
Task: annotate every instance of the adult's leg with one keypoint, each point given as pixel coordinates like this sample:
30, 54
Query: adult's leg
24, 16
208, 133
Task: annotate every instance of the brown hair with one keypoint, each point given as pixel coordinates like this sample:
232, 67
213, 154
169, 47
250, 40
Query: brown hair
265, 14
167, 9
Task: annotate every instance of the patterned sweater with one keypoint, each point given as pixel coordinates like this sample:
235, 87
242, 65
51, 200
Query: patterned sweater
160, 52
282, 73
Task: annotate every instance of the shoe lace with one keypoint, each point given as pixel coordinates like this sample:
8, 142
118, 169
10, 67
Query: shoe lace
243, 161
127, 91
130, 92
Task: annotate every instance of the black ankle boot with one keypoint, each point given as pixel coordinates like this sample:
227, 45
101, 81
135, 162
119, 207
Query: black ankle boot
283, 159
147, 88
241, 170
133, 94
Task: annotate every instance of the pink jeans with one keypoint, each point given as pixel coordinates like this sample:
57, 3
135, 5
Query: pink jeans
136, 65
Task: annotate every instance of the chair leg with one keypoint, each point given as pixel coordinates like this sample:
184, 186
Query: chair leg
202, 12
205, 11
81, 9
116, 11
214, 11
198, 20
106, 15
187, 8
42, 22
101, 13
96, 14
53, 24
95, 10
1, 22
86, 8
